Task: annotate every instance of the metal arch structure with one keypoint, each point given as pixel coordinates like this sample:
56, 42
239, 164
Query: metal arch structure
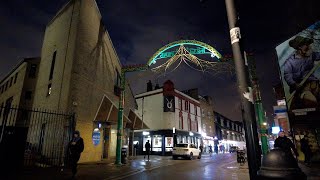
205, 49
182, 53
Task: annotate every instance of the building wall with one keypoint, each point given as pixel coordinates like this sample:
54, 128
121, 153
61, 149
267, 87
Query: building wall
207, 115
30, 82
85, 71
152, 109
14, 90
60, 36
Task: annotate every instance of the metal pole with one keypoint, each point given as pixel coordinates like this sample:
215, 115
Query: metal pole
120, 119
243, 81
261, 118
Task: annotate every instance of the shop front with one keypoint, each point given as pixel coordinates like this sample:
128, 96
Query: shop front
163, 141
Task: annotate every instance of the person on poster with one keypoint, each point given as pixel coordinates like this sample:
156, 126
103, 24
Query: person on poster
76, 147
296, 69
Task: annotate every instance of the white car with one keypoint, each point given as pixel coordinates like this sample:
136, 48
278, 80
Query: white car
186, 150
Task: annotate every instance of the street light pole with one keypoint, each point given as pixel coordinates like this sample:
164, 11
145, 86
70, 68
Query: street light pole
248, 113
124, 70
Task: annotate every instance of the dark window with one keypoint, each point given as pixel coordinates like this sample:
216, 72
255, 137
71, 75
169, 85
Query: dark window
15, 78
1, 109
33, 71
28, 95
11, 80
6, 85
195, 110
186, 105
52, 65
1, 89
49, 90
182, 145
118, 78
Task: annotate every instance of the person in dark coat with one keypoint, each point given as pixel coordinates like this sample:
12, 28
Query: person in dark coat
285, 144
76, 147
147, 146
305, 148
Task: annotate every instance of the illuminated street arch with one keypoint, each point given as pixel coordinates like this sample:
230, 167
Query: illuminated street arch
189, 52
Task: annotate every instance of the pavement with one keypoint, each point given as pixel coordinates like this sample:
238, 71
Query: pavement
221, 166
312, 171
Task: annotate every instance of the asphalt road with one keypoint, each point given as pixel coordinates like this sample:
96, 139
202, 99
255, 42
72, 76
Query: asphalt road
221, 166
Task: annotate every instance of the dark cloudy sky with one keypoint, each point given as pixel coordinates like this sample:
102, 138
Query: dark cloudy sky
139, 28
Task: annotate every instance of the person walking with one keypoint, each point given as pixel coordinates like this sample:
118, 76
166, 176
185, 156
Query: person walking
75, 147
147, 146
285, 144
216, 148
210, 150
305, 148
136, 146
201, 150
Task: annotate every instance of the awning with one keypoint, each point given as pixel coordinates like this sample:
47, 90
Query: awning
136, 122
108, 112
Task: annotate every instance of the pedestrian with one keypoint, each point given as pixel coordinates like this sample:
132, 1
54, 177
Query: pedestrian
210, 150
285, 144
147, 146
201, 149
216, 148
75, 148
136, 146
305, 148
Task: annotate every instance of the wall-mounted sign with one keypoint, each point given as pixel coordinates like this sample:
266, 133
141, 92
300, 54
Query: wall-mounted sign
168, 104
96, 137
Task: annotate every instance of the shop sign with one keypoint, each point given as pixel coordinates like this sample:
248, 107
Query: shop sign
96, 137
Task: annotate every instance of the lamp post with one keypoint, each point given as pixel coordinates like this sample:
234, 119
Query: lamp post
124, 70
248, 113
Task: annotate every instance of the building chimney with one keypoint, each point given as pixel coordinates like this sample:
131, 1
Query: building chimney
149, 86
157, 86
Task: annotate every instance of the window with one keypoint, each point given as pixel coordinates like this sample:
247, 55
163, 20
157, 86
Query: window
15, 78
33, 71
203, 113
1, 107
186, 105
118, 78
11, 80
180, 103
49, 90
195, 110
52, 65
28, 95
6, 87
1, 90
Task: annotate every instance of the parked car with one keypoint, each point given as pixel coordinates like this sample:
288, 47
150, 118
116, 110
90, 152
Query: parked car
185, 150
233, 149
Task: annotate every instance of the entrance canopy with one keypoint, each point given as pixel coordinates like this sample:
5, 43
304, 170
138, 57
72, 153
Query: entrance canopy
108, 112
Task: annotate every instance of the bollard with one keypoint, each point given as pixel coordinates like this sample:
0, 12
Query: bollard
279, 165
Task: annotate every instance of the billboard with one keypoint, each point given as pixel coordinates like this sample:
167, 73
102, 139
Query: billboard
299, 62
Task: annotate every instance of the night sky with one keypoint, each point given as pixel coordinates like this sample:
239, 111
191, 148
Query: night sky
139, 28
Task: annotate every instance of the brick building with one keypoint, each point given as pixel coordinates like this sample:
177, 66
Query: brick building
80, 73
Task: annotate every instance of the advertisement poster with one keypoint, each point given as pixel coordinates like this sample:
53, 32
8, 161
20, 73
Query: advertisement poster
299, 62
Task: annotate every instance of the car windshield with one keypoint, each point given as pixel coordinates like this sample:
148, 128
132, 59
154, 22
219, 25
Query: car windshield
182, 145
